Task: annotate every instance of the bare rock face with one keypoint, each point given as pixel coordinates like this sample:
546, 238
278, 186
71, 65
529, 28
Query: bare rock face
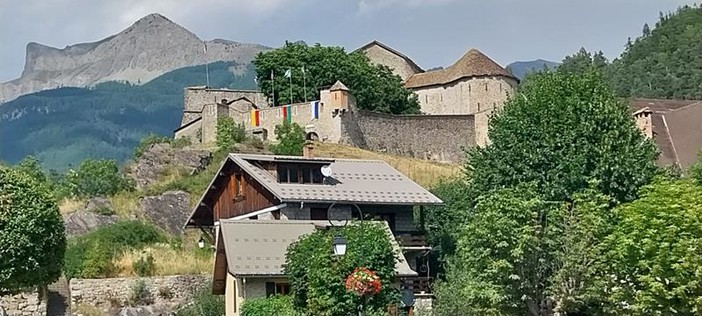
169, 211
97, 203
159, 158
83, 222
149, 48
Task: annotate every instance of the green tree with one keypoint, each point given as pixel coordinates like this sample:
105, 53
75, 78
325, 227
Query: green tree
291, 138
97, 178
375, 87
583, 62
664, 61
696, 169
31, 233
654, 262
147, 141
229, 133
560, 131
280, 305
204, 304
521, 255
317, 277
31, 166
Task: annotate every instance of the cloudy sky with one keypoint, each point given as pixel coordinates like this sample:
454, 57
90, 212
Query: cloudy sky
432, 32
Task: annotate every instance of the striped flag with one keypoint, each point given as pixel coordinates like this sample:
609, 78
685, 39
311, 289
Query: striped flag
255, 118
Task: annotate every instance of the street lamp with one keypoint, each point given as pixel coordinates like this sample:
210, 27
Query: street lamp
201, 243
339, 245
339, 242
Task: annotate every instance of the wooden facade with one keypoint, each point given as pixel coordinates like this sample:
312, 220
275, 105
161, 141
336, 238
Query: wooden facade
240, 194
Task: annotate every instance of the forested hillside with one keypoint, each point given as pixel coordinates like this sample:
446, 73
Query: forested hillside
63, 126
664, 62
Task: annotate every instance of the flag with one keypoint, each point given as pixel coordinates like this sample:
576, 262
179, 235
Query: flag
288, 118
256, 80
204, 48
314, 109
288, 73
271, 74
303, 69
255, 119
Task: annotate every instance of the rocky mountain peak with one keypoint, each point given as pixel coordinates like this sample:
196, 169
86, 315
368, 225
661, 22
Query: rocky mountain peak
150, 47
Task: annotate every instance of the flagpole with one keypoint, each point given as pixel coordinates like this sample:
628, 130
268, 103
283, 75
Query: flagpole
207, 66
273, 83
290, 79
304, 83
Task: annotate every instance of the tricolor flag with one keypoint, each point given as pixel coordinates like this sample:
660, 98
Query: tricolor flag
255, 120
314, 109
287, 113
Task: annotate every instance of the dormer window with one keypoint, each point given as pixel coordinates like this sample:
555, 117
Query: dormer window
299, 173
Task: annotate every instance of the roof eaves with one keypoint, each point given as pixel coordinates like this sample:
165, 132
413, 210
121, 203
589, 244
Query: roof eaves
392, 50
204, 194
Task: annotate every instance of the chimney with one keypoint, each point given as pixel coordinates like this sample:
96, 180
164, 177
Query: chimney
643, 121
308, 149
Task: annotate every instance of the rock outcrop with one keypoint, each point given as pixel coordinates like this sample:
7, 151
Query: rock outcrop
168, 211
150, 47
83, 222
162, 158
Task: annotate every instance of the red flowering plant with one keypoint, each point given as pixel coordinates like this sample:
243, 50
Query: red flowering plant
363, 281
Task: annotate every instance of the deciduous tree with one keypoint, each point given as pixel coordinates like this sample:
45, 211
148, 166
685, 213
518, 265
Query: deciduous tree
375, 87
32, 240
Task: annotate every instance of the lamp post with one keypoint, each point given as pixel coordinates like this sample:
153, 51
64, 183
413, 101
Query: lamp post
339, 243
201, 243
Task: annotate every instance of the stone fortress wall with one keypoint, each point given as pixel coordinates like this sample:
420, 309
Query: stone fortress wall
456, 111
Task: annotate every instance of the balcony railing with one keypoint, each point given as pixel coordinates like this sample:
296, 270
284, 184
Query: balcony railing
413, 242
418, 285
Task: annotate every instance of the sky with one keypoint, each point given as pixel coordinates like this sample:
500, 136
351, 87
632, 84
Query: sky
431, 32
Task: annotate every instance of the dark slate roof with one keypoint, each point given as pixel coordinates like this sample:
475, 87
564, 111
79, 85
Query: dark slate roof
472, 64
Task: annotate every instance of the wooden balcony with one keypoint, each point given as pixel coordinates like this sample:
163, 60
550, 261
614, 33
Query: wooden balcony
413, 242
418, 285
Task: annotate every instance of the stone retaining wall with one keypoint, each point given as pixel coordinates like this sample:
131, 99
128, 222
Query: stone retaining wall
24, 304
107, 294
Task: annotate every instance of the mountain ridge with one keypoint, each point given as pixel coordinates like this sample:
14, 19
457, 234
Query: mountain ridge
521, 68
150, 47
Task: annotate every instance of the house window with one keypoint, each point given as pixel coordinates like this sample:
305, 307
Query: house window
304, 174
318, 214
273, 288
239, 185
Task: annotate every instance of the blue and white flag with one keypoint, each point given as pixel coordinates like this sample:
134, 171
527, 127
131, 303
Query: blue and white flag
314, 109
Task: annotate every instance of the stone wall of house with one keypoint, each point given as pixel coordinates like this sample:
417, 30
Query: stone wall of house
465, 96
432, 137
381, 56
24, 304
107, 294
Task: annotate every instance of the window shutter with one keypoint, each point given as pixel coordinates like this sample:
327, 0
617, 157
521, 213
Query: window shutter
270, 288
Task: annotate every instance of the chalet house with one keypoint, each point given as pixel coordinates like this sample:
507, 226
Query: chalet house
258, 204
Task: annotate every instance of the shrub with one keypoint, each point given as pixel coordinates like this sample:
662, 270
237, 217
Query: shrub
165, 293
144, 266
696, 169
229, 133
204, 304
92, 255
97, 178
181, 142
265, 306
291, 138
147, 141
104, 210
140, 294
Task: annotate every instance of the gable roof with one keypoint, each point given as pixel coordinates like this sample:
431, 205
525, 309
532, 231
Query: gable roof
258, 248
355, 181
189, 124
676, 128
472, 64
412, 64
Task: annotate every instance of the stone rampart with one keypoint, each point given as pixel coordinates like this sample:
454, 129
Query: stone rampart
24, 304
112, 293
432, 137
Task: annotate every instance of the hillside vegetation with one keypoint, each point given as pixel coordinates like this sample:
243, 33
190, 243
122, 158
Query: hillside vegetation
664, 62
62, 127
